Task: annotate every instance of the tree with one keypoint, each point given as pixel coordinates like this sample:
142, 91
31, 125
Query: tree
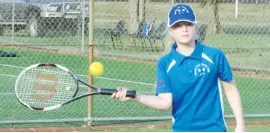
142, 10
133, 16
214, 5
136, 14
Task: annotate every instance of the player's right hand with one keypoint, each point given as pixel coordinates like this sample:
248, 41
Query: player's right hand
121, 94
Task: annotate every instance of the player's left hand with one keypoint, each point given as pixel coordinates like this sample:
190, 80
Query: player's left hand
240, 128
121, 94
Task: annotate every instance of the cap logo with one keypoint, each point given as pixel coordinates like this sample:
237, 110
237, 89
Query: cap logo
181, 10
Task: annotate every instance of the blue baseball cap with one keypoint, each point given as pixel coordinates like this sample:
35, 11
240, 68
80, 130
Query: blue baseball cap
181, 12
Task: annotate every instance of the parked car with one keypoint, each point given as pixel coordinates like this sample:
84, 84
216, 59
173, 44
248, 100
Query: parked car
38, 16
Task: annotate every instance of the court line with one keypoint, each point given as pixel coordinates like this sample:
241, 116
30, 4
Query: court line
127, 81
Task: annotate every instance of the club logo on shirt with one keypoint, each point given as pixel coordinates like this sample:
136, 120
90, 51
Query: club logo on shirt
201, 69
160, 83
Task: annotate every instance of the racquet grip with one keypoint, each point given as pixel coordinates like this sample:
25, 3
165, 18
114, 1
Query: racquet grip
131, 93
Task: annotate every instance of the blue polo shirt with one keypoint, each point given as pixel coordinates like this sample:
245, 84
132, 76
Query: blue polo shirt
194, 83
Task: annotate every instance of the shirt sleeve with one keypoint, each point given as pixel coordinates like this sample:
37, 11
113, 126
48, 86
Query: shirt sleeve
224, 68
162, 81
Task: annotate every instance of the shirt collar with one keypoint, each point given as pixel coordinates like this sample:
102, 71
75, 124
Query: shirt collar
196, 54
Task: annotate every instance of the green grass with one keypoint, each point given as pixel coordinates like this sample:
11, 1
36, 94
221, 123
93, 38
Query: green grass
113, 70
248, 13
248, 50
254, 91
242, 50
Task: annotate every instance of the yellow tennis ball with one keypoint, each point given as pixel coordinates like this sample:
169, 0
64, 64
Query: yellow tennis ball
96, 68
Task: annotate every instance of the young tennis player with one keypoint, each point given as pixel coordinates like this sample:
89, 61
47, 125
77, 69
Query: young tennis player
188, 80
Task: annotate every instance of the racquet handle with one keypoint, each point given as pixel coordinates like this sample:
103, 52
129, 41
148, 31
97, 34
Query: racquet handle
131, 94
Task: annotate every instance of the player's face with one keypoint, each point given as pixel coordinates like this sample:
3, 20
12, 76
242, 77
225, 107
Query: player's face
183, 32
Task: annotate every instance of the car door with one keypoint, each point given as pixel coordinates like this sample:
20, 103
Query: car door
6, 11
20, 7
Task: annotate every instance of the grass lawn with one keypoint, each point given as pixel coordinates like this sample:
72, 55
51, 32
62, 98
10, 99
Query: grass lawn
244, 50
134, 75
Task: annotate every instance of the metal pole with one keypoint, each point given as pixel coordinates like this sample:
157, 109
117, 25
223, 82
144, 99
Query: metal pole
83, 23
13, 21
91, 54
236, 9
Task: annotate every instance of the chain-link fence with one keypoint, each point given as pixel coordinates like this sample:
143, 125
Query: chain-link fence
32, 32
129, 37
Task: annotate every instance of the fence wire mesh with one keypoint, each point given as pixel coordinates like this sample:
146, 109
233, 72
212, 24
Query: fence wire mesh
129, 37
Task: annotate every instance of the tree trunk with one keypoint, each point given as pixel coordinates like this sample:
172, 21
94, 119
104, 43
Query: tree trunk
216, 17
141, 10
133, 16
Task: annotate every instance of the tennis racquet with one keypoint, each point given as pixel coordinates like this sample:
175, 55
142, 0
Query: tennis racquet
50, 86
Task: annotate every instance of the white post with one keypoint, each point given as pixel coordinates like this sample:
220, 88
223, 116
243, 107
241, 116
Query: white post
236, 8
83, 25
13, 20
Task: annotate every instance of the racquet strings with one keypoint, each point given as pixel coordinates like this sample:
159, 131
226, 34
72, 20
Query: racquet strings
46, 86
